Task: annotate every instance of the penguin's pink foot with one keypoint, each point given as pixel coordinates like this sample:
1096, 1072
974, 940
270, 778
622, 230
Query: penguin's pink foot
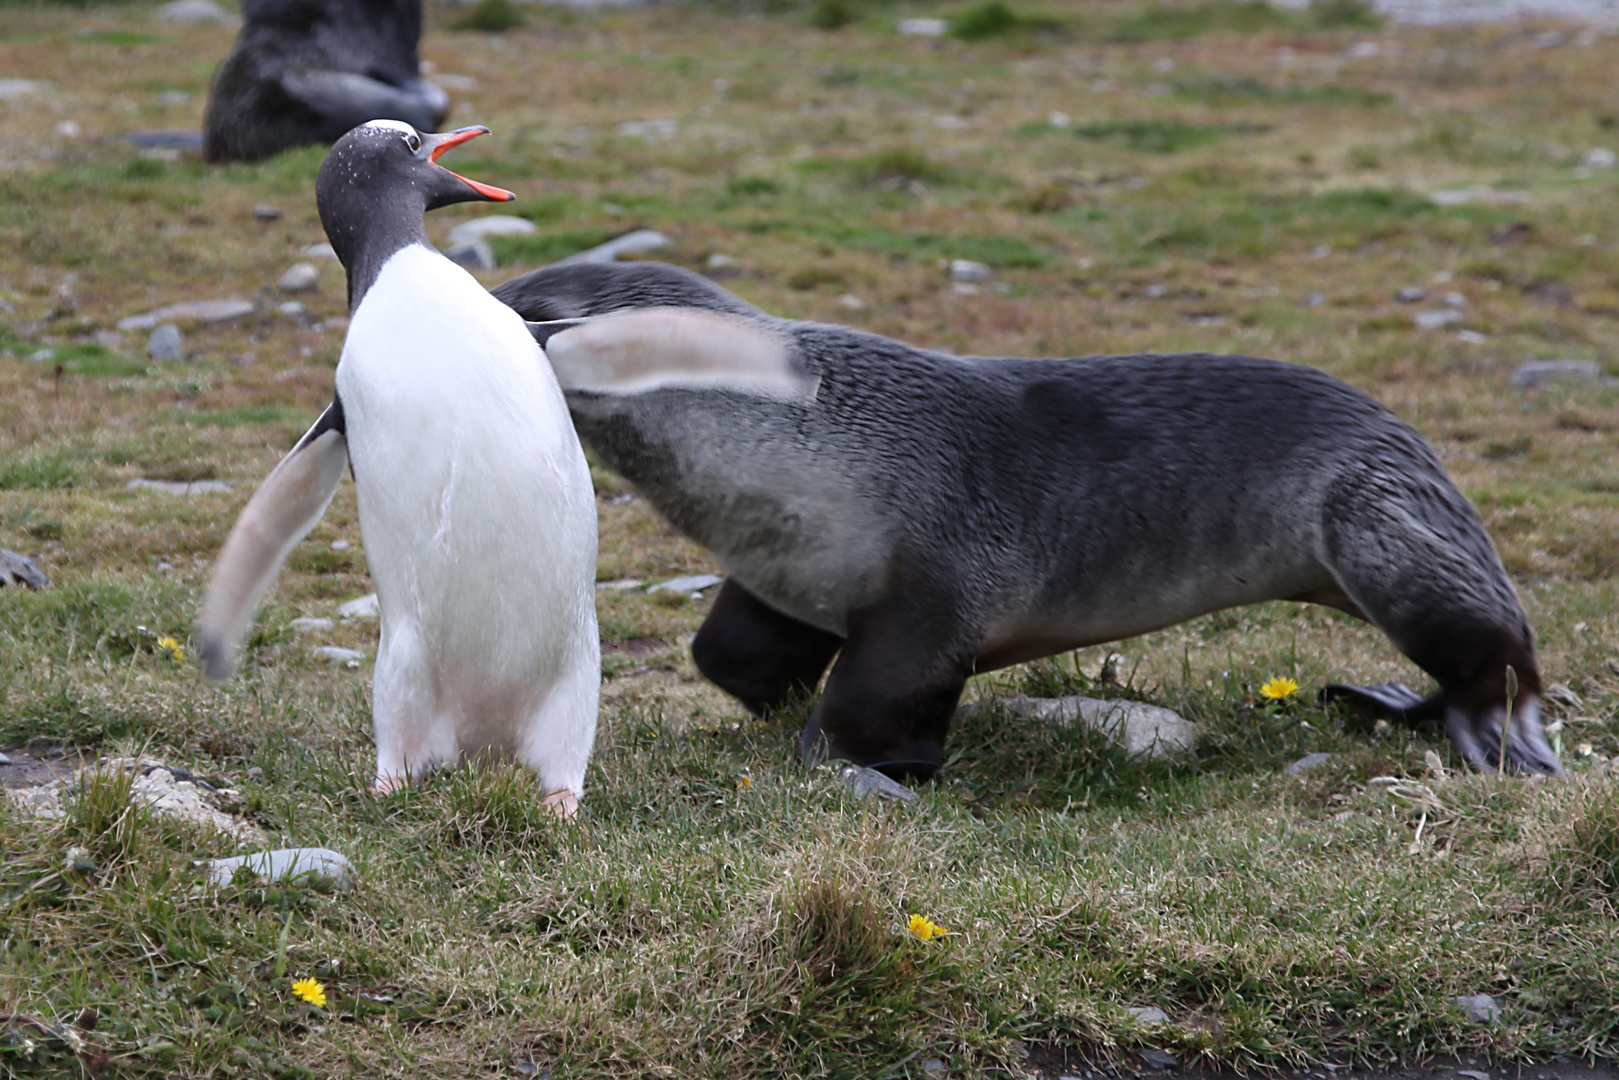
564, 802
387, 785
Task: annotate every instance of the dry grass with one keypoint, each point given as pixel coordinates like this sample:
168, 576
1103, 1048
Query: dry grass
1225, 181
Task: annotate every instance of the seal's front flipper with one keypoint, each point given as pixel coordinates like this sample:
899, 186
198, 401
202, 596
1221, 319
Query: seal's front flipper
636, 352
280, 513
1395, 701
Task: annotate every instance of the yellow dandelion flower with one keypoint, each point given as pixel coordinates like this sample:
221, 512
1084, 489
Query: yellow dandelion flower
173, 648
745, 782
310, 990
925, 928
1279, 689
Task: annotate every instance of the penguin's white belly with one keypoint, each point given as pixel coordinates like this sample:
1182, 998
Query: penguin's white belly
478, 516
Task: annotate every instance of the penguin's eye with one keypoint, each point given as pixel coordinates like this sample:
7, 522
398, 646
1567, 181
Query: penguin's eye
414, 142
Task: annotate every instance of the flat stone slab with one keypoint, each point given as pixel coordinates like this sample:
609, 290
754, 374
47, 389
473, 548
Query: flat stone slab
638, 242
193, 311
691, 584
182, 488
1141, 730
492, 225
319, 866
874, 785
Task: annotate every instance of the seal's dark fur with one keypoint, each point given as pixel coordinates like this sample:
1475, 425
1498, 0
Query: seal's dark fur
306, 71
928, 516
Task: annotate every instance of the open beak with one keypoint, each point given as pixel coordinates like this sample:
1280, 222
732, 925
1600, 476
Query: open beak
456, 138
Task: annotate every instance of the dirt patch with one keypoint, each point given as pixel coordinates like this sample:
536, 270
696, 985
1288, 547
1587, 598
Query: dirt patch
35, 766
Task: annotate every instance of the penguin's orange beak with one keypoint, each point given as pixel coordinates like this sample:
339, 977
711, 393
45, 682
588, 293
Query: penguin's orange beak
456, 138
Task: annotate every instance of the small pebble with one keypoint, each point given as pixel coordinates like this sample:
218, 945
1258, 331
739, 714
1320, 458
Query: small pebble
363, 608
693, 583
310, 625
334, 654
319, 866
1411, 294
266, 213
340, 545
968, 272
1480, 1008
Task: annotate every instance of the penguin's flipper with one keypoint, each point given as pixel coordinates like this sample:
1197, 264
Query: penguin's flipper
280, 513
635, 352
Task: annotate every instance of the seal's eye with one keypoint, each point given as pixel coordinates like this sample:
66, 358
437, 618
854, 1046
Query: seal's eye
413, 141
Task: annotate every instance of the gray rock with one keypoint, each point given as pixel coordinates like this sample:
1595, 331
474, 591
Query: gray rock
1149, 1015
1308, 763
1414, 294
321, 251
691, 584
924, 27
179, 487
1480, 1008
968, 272
310, 626
363, 608
166, 343
1599, 158
638, 242
265, 212
933, 1067
1139, 729
1534, 374
300, 277
334, 654
620, 585
18, 569
872, 784
474, 255
193, 12
194, 311
1436, 319
5, 760
1159, 1059
318, 866
492, 225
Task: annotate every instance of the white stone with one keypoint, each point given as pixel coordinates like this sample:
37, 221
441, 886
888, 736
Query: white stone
300, 277
180, 488
1058, 119
197, 311
620, 585
1599, 158
319, 865
166, 343
493, 225
193, 12
924, 27
649, 129
68, 129
1148, 1015
968, 272
13, 89
321, 251
363, 608
1308, 763
1141, 730
310, 625
1436, 320
335, 654
1480, 1008
719, 262
691, 584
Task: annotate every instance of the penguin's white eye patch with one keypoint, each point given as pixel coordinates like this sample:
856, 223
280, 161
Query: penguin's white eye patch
395, 125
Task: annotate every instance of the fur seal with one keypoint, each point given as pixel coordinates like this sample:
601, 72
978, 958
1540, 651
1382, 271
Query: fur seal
306, 71
926, 516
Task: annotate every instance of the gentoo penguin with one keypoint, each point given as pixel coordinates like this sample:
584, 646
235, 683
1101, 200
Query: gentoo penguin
306, 71
475, 501
924, 517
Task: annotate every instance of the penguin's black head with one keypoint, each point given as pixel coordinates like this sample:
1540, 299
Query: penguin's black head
378, 181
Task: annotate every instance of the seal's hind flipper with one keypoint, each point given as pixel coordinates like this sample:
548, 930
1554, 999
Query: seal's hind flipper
280, 513
1395, 701
636, 352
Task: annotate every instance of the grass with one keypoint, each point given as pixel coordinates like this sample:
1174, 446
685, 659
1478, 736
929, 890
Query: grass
1226, 177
